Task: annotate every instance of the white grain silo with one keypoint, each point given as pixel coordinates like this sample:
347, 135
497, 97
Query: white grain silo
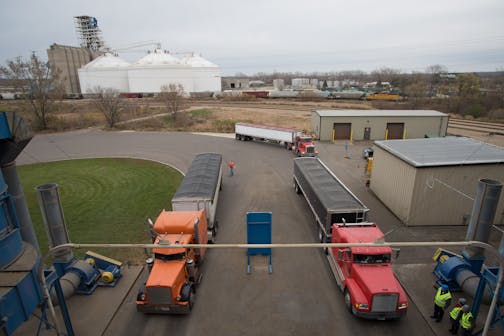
106, 71
156, 69
206, 75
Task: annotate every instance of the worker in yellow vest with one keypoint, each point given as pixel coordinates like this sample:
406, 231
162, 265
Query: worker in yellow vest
442, 301
455, 315
466, 321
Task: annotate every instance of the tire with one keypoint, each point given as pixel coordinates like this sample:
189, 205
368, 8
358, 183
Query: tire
191, 301
237, 136
185, 293
321, 237
296, 188
348, 301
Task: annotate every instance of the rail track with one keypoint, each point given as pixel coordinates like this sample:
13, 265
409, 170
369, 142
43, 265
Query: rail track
476, 126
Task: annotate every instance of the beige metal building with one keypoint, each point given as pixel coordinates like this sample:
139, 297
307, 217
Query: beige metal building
431, 181
65, 61
378, 124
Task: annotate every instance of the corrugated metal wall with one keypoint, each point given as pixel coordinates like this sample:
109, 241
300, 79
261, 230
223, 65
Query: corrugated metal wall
393, 182
415, 127
438, 199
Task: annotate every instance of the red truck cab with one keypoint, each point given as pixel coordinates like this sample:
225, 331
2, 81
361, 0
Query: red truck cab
365, 275
304, 146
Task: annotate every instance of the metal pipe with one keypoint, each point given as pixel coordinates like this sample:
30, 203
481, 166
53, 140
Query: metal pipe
469, 282
486, 246
69, 283
483, 213
11, 177
54, 219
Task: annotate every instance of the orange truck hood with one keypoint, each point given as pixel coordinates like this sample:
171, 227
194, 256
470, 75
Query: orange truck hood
169, 274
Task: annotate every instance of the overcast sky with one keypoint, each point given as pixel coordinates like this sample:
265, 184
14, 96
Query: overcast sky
276, 35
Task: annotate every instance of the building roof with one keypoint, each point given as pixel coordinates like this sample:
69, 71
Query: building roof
158, 57
196, 61
106, 61
447, 151
379, 113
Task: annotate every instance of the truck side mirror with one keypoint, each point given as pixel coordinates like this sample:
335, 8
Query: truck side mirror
342, 256
397, 252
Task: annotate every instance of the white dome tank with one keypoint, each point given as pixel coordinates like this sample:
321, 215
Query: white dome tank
106, 71
206, 75
156, 69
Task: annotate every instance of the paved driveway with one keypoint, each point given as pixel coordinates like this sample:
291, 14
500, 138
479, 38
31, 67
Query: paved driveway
299, 298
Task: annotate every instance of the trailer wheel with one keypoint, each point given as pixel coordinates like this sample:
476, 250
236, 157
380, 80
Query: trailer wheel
296, 188
348, 301
321, 237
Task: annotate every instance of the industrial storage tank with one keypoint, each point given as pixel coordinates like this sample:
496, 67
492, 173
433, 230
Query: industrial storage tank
106, 71
156, 69
206, 75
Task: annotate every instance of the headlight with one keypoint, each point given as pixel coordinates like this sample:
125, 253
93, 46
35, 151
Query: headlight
402, 306
361, 306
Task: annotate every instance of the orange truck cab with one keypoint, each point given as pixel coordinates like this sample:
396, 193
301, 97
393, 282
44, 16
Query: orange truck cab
174, 272
304, 146
365, 275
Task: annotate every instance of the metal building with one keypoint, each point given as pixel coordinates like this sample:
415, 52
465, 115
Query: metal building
432, 181
378, 124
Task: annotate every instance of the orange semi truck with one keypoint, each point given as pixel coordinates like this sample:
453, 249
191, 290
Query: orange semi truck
174, 272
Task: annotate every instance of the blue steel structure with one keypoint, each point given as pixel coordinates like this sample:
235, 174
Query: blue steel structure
259, 232
20, 291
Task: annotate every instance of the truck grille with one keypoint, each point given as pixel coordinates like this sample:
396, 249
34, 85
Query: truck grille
159, 295
384, 303
310, 150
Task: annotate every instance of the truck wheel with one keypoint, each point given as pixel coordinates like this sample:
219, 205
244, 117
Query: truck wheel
348, 301
321, 237
237, 136
185, 293
191, 301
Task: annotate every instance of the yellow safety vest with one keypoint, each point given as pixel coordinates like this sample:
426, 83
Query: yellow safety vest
465, 320
455, 312
440, 299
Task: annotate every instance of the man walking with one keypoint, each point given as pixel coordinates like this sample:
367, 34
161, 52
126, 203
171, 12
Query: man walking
455, 315
441, 302
231, 167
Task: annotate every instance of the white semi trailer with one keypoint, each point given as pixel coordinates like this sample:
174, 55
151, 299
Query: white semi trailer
301, 144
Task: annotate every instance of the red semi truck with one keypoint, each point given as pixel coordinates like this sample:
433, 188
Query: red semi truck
301, 144
364, 274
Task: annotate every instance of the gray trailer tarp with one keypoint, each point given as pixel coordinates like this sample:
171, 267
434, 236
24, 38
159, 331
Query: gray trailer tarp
201, 178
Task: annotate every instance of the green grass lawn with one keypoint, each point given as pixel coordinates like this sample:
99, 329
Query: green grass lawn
104, 200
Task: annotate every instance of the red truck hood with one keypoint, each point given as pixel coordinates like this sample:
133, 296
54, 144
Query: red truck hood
376, 278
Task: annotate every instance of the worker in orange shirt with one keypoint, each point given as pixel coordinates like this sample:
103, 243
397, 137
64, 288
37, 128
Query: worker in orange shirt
231, 165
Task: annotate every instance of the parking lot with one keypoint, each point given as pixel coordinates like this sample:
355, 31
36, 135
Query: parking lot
301, 296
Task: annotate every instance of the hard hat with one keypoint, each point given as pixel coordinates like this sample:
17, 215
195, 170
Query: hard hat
465, 308
462, 301
445, 287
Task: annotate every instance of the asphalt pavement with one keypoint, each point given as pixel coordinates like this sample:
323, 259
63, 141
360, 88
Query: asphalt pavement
300, 297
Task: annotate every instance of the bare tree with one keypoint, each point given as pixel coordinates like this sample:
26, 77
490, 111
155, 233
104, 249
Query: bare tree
173, 97
34, 80
434, 72
109, 102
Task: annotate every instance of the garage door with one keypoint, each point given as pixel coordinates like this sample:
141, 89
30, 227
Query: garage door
342, 131
395, 130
